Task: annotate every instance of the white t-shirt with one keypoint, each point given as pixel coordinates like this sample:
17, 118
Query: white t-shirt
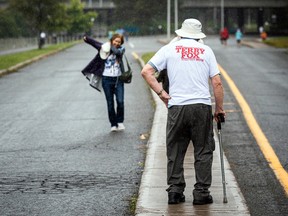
189, 64
112, 67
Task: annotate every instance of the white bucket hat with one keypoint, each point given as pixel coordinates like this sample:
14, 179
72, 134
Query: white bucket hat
105, 50
191, 28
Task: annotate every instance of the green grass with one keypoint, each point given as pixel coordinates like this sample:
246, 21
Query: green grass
133, 202
279, 42
147, 56
7, 61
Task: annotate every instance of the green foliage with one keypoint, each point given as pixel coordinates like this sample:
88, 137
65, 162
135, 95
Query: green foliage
13, 24
279, 42
59, 22
8, 25
147, 56
133, 203
50, 16
39, 14
79, 21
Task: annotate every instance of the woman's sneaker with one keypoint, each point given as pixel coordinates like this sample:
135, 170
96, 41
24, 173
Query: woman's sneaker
121, 127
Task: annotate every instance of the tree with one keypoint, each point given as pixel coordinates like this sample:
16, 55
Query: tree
8, 25
60, 21
40, 15
13, 25
79, 22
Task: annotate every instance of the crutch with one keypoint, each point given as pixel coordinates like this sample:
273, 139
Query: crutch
221, 119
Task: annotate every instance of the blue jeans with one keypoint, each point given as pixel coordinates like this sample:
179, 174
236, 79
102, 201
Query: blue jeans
113, 86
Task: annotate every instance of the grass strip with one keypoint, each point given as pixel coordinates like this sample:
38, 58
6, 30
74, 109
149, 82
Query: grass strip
279, 42
9, 60
147, 56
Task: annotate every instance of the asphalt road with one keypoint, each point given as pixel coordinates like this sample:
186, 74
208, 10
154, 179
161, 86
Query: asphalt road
261, 76
57, 154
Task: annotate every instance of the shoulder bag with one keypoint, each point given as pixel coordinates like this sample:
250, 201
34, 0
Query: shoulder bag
126, 76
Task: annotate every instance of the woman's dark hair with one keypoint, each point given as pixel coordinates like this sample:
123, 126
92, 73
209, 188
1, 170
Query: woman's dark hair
117, 36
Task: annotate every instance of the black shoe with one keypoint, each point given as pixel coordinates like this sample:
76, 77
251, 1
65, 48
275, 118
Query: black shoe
175, 198
205, 200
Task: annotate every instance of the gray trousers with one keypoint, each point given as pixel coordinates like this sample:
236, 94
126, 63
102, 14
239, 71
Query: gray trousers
184, 124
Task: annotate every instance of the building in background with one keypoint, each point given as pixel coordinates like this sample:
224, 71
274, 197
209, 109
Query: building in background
105, 10
249, 15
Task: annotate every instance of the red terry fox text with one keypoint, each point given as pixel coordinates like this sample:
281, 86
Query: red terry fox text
190, 53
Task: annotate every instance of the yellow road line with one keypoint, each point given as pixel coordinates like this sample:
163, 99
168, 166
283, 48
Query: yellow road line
257, 132
136, 56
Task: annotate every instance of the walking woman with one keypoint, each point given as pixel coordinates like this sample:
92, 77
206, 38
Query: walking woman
108, 65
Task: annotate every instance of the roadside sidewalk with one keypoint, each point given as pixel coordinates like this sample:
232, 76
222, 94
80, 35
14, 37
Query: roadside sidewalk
153, 198
254, 43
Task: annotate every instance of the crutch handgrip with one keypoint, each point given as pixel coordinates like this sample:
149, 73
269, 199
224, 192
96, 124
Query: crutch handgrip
221, 119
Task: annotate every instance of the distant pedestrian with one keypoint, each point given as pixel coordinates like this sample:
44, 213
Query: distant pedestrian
238, 36
261, 29
107, 66
263, 35
126, 35
191, 66
224, 35
42, 40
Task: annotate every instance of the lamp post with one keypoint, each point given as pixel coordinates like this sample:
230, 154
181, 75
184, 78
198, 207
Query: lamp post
222, 14
176, 14
168, 18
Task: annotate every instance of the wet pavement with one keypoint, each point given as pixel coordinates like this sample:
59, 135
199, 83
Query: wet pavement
58, 156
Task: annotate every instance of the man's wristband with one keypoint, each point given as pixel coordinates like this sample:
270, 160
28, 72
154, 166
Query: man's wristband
160, 92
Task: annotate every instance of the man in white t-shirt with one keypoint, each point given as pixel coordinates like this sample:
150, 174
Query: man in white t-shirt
190, 66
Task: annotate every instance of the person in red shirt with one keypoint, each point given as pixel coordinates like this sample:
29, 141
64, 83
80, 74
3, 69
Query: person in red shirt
224, 35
